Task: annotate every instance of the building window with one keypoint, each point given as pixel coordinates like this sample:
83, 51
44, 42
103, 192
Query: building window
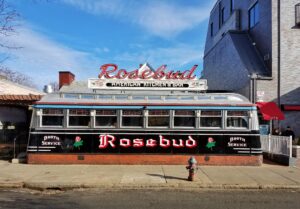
297, 14
79, 117
132, 118
211, 118
222, 15
106, 118
237, 119
52, 117
254, 15
184, 118
158, 118
211, 29
231, 6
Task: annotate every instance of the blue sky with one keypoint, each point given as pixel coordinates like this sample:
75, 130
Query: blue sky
81, 35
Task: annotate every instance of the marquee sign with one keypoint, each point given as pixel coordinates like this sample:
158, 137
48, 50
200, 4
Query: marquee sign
143, 78
141, 143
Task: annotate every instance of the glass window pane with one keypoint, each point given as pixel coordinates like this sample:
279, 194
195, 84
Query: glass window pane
237, 122
132, 112
106, 121
79, 120
158, 121
185, 112
79, 112
184, 121
210, 113
52, 111
210, 122
87, 96
132, 121
158, 112
105, 112
122, 97
237, 113
52, 120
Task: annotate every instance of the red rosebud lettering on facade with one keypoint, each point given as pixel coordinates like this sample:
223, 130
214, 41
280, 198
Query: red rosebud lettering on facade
178, 145
151, 143
105, 72
190, 143
165, 143
138, 143
125, 143
105, 140
111, 71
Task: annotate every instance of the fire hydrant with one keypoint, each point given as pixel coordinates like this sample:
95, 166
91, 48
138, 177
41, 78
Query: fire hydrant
192, 168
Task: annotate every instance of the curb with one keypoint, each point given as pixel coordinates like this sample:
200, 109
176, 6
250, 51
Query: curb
42, 186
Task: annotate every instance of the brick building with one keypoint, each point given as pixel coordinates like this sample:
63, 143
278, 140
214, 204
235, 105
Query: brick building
248, 52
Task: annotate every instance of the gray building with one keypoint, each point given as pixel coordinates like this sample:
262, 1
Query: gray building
253, 48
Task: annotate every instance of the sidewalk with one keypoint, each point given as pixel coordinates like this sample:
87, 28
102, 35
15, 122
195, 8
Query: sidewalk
65, 177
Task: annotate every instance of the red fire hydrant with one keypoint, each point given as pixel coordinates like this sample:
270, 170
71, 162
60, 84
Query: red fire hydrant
192, 168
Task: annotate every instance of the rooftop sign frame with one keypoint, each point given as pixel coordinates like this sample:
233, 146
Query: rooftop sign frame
145, 78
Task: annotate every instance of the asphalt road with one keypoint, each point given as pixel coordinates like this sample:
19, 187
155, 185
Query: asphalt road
137, 199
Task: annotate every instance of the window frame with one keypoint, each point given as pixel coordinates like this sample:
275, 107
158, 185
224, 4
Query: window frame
238, 128
68, 118
256, 11
184, 116
121, 115
214, 116
116, 115
170, 117
297, 15
50, 126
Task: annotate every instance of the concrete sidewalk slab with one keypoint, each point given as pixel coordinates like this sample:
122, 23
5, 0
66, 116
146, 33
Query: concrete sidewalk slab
66, 177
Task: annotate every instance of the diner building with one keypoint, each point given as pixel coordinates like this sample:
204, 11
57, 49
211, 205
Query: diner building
143, 116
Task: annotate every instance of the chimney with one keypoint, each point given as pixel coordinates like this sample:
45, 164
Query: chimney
65, 78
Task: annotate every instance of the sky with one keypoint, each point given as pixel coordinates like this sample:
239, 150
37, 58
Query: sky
81, 35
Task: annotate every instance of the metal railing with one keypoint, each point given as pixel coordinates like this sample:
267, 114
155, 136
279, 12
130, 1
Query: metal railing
281, 145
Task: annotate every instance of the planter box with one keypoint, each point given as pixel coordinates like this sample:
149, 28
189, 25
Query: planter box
296, 151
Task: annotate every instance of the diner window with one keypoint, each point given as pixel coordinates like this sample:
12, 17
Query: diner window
254, 15
184, 118
52, 117
79, 117
237, 119
132, 118
158, 118
106, 118
211, 118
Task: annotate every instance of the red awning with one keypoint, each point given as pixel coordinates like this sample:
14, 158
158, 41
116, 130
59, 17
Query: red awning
291, 107
270, 111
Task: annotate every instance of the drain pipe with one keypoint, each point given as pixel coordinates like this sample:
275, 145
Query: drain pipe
278, 56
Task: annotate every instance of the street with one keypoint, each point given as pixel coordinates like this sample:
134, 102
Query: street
136, 199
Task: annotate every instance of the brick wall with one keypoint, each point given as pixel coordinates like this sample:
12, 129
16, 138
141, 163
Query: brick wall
132, 159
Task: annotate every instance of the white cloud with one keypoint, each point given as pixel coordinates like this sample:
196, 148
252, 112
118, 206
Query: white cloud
158, 17
41, 58
177, 57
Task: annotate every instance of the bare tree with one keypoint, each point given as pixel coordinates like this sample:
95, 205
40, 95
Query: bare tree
17, 77
8, 22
